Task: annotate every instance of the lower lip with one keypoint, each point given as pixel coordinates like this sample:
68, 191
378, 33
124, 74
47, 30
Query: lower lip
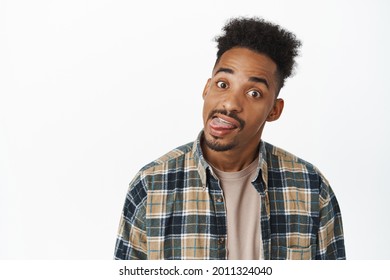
219, 131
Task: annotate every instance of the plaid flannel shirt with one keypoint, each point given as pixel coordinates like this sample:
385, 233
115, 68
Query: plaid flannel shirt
174, 209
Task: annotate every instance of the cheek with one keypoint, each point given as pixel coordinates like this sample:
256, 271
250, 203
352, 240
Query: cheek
257, 117
206, 110
208, 105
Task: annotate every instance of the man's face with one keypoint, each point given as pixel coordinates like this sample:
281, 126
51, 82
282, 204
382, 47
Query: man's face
238, 99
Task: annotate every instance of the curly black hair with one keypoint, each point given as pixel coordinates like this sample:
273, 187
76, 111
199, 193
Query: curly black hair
263, 37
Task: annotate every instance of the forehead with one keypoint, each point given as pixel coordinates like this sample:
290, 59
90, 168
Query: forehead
243, 60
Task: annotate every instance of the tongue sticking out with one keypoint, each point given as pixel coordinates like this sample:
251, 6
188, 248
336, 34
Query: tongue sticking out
218, 123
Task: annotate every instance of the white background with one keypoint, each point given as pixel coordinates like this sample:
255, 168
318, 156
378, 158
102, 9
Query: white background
90, 91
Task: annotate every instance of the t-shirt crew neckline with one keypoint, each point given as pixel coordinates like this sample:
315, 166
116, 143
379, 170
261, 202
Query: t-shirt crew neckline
237, 175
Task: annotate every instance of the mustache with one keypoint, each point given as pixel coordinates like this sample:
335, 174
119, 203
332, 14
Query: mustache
232, 115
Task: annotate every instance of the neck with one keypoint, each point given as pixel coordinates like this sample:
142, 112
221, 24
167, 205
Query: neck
232, 160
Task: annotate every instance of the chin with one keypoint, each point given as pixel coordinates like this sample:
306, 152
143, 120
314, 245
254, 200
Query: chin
219, 146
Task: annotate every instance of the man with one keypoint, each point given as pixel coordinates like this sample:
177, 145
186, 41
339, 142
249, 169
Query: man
230, 195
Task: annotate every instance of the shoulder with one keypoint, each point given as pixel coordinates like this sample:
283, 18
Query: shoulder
157, 172
170, 159
169, 169
279, 157
290, 165
155, 176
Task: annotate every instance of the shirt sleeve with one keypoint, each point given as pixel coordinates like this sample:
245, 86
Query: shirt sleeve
131, 241
330, 239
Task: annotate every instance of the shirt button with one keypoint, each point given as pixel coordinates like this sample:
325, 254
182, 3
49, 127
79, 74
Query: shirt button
221, 240
219, 199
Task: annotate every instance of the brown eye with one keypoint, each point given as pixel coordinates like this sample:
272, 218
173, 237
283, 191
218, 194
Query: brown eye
221, 84
254, 93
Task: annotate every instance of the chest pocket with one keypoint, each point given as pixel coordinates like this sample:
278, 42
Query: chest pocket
293, 253
293, 238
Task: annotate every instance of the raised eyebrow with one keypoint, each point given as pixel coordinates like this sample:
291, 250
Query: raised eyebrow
225, 70
251, 79
259, 80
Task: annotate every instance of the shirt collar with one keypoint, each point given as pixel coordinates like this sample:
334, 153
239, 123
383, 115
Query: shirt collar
203, 165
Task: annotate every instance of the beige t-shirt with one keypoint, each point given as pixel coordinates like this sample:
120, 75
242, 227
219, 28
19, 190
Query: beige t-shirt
243, 213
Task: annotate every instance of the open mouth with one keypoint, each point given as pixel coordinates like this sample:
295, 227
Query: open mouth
222, 123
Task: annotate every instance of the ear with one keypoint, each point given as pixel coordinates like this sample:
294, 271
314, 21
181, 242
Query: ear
276, 110
206, 88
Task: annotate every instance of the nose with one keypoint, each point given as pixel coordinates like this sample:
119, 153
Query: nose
232, 101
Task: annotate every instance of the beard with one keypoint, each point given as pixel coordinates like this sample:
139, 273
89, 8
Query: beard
215, 145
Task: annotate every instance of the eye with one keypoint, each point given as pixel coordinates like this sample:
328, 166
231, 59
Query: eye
221, 84
254, 93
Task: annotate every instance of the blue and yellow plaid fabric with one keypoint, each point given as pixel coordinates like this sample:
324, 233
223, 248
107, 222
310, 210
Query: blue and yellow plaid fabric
174, 209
